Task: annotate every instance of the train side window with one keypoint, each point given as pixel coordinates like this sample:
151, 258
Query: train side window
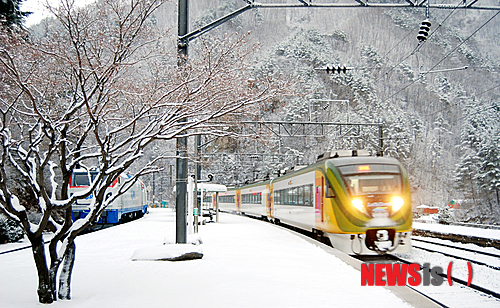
329, 190
300, 194
307, 195
293, 195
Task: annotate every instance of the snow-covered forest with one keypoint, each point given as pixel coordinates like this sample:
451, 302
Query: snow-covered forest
100, 86
438, 100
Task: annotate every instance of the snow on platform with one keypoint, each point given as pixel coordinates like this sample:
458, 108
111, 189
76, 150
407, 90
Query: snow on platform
246, 263
460, 230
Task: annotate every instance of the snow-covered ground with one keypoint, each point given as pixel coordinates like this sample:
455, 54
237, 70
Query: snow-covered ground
246, 263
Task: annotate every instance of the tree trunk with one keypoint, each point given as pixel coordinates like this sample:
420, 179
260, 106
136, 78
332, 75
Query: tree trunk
55, 261
66, 271
54, 267
45, 294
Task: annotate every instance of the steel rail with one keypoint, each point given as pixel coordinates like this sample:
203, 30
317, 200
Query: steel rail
457, 257
459, 248
457, 280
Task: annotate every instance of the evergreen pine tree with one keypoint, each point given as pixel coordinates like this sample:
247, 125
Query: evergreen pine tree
444, 216
10, 232
11, 14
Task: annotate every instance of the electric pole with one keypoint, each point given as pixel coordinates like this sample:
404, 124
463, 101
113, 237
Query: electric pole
181, 143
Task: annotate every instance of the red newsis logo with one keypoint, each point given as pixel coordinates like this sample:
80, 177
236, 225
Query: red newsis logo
401, 274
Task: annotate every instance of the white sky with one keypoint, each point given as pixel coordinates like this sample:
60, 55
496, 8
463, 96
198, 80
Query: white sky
39, 13
36, 7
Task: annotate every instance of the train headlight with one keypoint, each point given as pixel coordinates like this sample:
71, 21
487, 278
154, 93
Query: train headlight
358, 204
397, 203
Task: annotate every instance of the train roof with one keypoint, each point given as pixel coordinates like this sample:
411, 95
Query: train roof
342, 161
210, 187
82, 170
336, 158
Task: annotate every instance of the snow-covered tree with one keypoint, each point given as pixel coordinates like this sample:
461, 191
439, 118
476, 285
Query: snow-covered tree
478, 172
10, 232
444, 216
95, 91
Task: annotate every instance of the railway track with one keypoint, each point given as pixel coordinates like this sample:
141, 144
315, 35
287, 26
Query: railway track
457, 256
457, 280
459, 248
490, 260
89, 230
459, 238
461, 282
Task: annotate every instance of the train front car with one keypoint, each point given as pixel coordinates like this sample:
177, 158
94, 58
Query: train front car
367, 206
130, 204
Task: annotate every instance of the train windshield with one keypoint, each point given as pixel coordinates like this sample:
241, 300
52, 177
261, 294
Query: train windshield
82, 179
372, 179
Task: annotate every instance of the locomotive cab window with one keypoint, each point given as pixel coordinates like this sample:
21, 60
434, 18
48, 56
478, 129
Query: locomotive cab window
372, 179
82, 179
374, 184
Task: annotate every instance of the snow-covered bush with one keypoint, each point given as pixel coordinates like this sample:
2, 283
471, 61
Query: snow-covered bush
10, 232
444, 216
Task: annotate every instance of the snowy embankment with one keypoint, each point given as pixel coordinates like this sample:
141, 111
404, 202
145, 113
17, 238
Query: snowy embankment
459, 230
246, 263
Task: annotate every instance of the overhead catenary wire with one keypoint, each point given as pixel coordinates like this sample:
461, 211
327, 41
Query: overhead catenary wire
444, 58
421, 43
488, 90
454, 105
410, 32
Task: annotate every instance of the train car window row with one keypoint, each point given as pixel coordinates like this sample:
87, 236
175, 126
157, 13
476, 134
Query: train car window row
252, 198
226, 199
302, 195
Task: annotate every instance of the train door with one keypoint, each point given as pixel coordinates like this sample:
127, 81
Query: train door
318, 196
269, 200
238, 200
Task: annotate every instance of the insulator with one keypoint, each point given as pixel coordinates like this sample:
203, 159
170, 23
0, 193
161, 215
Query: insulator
425, 27
336, 69
427, 23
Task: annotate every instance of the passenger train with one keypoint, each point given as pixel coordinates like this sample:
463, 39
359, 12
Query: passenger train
131, 204
361, 203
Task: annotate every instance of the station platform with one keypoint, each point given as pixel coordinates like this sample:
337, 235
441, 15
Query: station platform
246, 263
